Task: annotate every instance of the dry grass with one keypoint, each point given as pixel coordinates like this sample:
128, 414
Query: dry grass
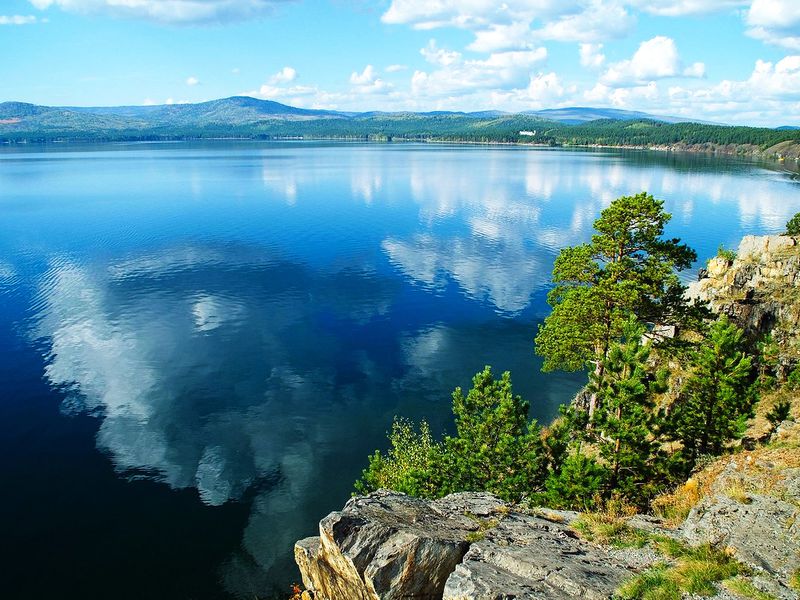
758, 471
759, 426
610, 529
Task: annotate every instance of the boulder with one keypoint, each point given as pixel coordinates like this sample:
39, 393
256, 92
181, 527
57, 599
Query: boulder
468, 546
530, 557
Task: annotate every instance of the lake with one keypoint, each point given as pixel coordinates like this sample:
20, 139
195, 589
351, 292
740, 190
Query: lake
202, 342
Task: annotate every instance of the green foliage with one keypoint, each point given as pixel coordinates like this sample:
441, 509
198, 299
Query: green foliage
627, 269
693, 571
744, 588
407, 465
624, 426
577, 485
653, 584
793, 380
767, 361
609, 529
495, 448
257, 119
794, 580
714, 403
793, 226
726, 253
779, 413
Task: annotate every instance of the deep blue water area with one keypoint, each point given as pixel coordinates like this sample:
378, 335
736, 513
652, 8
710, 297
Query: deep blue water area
200, 343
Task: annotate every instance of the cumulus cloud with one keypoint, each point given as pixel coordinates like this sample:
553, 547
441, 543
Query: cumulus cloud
192, 81
500, 70
697, 69
599, 20
500, 36
181, 12
396, 68
285, 75
592, 55
368, 81
516, 24
17, 20
656, 58
439, 56
775, 22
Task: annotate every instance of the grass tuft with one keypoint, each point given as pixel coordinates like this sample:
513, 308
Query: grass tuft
694, 571
744, 588
610, 530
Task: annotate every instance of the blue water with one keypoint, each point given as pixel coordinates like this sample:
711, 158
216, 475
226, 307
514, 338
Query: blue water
201, 343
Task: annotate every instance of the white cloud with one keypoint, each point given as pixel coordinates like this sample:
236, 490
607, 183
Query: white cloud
656, 58
285, 75
545, 90
775, 22
439, 56
184, 12
592, 55
17, 20
679, 8
599, 20
192, 81
368, 82
697, 69
499, 71
633, 97
396, 68
516, 24
500, 36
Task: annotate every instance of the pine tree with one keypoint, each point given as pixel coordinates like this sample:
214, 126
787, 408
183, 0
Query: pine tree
627, 269
624, 426
496, 449
715, 401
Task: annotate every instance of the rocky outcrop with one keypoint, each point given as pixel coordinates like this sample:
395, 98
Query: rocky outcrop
759, 289
753, 510
468, 546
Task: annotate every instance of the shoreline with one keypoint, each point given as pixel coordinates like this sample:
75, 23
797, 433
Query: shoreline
791, 162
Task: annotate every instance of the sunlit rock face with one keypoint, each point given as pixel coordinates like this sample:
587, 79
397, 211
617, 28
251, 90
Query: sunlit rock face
758, 289
467, 546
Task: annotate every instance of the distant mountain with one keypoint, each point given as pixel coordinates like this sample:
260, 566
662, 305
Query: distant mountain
581, 114
251, 118
787, 128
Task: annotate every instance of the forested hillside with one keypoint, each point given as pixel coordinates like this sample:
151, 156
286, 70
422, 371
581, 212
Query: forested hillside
249, 118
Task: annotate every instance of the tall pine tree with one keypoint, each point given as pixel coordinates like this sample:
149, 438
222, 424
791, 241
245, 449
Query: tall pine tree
715, 402
624, 427
627, 269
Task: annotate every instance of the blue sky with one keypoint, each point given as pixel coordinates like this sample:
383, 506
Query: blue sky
723, 60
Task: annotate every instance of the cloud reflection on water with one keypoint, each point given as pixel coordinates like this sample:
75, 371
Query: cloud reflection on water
234, 370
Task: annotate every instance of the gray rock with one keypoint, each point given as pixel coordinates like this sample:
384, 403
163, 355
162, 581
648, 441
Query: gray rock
389, 545
764, 533
529, 557
467, 546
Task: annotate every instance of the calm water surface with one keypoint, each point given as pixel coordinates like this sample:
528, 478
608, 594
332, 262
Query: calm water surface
200, 343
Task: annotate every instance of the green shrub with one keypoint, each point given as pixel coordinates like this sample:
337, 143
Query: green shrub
793, 226
727, 254
407, 465
577, 485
